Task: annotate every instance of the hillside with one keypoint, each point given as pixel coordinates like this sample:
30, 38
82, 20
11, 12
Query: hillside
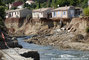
54, 3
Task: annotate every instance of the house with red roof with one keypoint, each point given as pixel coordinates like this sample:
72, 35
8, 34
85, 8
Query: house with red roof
18, 4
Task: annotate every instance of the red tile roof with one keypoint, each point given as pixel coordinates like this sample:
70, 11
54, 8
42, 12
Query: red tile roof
17, 3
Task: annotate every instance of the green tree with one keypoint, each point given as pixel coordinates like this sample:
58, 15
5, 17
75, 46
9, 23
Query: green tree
84, 4
86, 11
62, 2
2, 14
2, 10
70, 2
53, 3
7, 1
44, 5
39, 3
49, 3
21, 0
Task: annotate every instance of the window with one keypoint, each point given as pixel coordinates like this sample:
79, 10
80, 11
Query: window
64, 13
15, 13
58, 12
54, 13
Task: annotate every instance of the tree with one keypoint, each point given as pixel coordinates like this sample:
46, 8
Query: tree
71, 2
62, 2
39, 4
86, 11
2, 10
7, 1
49, 3
2, 15
84, 4
44, 5
21, 0
53, 3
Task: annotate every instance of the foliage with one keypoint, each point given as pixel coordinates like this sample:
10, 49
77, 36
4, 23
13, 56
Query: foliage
39, 3
87, 29
44, 5
32, 6
2, 12
52, 3
86, 11
7, 1
13, 8
21, 0
55, 3
49, 3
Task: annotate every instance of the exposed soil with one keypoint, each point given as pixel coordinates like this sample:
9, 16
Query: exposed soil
61, 40
71, 36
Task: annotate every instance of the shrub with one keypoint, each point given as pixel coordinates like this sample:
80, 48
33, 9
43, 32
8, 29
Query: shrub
86, 11
87, 29
13, 8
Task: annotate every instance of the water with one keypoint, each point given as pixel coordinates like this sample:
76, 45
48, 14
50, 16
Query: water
49, 53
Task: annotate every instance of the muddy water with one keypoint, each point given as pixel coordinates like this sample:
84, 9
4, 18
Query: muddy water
49, 53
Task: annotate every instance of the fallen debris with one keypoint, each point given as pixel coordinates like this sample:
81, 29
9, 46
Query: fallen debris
32, 55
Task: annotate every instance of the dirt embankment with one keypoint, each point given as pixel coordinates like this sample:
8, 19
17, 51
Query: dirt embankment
72, 36
18, 26
15, 26
62, 40
79, 25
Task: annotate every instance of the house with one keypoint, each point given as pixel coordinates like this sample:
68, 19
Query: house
18, 13
42, 13
63, 12
18, 4
29, 2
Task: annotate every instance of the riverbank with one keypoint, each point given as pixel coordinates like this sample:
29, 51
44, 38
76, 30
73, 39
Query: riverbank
72, 35
61, 39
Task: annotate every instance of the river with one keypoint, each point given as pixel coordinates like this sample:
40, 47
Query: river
50, 53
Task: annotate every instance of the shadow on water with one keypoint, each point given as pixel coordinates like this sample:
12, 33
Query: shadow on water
49, 53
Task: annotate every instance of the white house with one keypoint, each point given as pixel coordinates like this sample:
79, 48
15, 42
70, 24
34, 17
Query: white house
18, 13
17, 4
29, 2
64, 12
42, 13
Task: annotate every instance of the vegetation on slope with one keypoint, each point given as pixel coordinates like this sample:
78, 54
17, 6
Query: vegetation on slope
52, 3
